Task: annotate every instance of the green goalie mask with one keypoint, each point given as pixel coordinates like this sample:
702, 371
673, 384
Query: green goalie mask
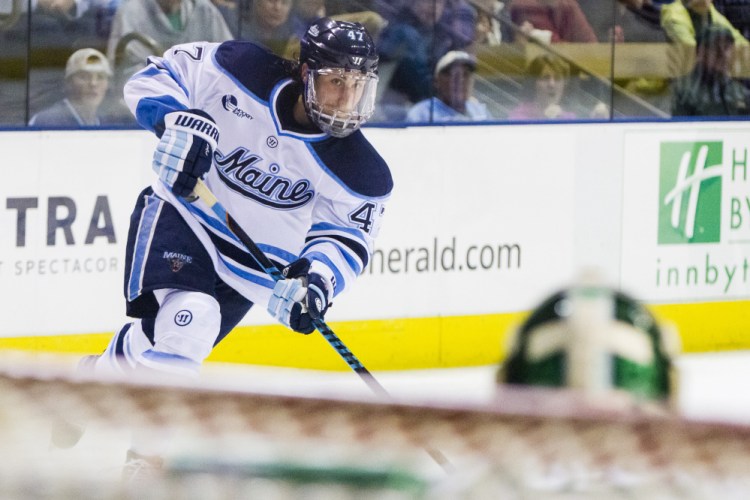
594, 339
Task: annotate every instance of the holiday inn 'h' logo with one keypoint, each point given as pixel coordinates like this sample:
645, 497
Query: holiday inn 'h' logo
690, 192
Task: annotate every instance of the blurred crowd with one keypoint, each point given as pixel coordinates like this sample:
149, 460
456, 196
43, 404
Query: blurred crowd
65, 61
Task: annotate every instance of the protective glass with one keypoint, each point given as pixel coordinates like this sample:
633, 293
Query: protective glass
340, 101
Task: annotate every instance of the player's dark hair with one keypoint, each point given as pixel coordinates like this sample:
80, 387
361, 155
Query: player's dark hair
292, 69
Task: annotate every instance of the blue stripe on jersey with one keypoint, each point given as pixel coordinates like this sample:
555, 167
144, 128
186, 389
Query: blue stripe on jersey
174, 75
119, 350
147, 224
340, 282
232, 251
357, 264
239, 255
268, 283
325, 226
150, 111
157, 66
210, 221
282, 254
354, 264
357, 244
128, 352
149, 71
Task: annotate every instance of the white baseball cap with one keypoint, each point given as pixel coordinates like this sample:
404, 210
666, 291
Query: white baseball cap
90, 60
453, 57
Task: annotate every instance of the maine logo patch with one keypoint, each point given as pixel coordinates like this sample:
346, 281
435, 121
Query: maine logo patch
690, 183
177, 260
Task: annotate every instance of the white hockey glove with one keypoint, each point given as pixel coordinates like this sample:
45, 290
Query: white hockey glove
303, 296
184, 153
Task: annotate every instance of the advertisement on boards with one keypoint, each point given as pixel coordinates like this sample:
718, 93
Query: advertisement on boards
686, 214
479, 223
66, 203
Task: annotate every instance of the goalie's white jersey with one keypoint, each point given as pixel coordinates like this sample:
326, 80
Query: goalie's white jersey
296, 193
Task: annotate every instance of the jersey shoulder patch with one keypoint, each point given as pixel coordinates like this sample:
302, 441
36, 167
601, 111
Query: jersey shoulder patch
253, 66
356, 163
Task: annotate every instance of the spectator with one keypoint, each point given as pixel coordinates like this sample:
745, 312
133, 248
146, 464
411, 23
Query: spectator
488, 29
230, 11
454, 85
682, 19
269, 23
87, 76
64, 9
709, 90
563, 19
625, 20
160, 24
46, 30
411, 44
544, 99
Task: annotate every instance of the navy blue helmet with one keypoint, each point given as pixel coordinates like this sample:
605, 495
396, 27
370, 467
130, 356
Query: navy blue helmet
341, 77
338, 44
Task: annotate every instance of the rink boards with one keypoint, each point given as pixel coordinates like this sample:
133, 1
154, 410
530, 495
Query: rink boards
485, 221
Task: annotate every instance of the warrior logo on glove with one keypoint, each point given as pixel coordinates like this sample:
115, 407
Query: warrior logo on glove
190, 122
184, 153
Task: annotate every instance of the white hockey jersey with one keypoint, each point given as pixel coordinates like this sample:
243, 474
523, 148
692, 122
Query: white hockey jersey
295, 193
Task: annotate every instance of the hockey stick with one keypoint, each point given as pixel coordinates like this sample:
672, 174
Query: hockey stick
202, 191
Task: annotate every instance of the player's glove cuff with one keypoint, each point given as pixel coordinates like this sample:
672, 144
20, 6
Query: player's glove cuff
287, 301
320, 289
303, 295
185, 152
194, 122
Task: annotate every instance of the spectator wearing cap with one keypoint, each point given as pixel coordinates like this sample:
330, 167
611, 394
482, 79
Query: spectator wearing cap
454, 85
87, 77
709, 89
410, 45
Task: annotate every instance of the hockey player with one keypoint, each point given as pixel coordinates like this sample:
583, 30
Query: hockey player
278, 143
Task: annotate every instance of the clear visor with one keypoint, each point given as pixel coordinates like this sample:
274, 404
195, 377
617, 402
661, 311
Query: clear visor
340, 101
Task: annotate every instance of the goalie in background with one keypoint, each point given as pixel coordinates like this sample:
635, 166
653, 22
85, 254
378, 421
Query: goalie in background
600, 343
